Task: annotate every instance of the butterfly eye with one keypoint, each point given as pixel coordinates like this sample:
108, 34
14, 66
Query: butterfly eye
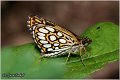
86, 41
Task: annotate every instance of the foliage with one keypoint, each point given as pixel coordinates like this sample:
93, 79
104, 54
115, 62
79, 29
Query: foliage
26, 58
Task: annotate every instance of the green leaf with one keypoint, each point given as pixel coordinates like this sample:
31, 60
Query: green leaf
25, 59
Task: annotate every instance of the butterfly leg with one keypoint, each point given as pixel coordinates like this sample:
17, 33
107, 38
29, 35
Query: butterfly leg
68, 58
84, 49
81, 48
81, 56
69, 52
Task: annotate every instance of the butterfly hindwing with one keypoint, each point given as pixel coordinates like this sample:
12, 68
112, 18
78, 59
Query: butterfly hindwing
51, 38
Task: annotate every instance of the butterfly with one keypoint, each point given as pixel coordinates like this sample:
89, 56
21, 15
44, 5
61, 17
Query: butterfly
54, 40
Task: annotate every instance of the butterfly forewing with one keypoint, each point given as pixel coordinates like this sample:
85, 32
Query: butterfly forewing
51, 38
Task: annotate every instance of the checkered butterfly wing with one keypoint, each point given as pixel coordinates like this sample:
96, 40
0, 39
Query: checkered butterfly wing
51, 38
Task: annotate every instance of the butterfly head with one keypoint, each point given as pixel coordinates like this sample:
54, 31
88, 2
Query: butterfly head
86, 41
33, 21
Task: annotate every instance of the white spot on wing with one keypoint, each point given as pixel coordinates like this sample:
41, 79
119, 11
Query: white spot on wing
30, 29
50, 49
34, 27
56, 47
42, 50
47, 45
41, 34
40, 25
43, 30
43, 42
28, 22
62, 40
41, 37
62, 49
35, 41
28, 25
59, 34
38, 46
29, 17
33, 34
52, 38
56, 44
49, 28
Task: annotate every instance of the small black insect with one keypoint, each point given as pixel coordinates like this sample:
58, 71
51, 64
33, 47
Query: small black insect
98, 27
